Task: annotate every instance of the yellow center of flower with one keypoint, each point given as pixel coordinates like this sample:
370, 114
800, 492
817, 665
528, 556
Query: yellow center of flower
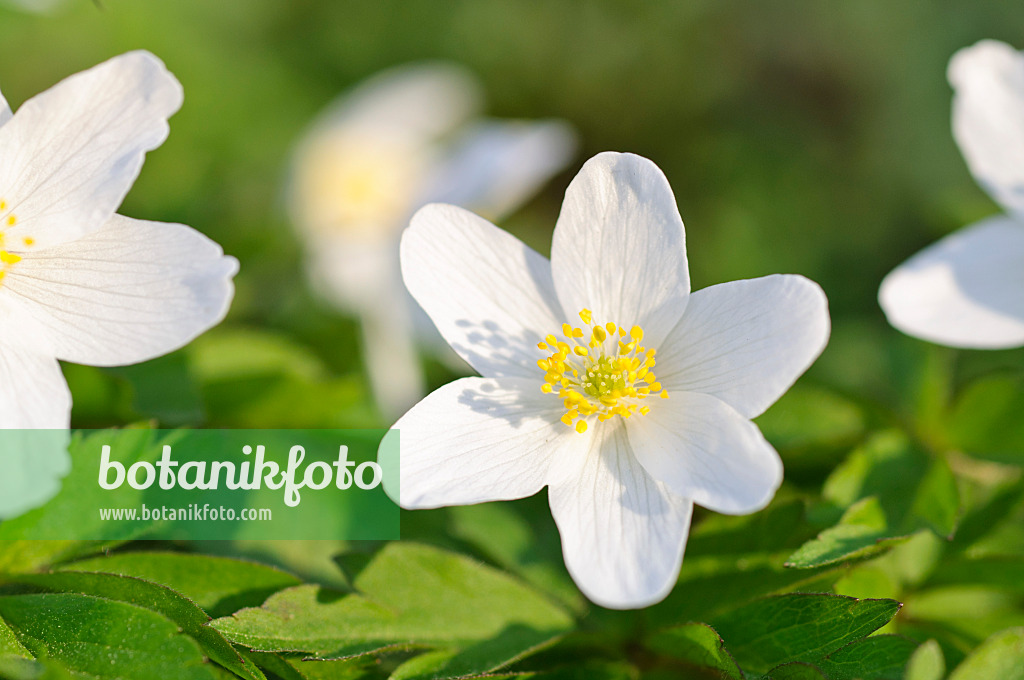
603, 371
8, 258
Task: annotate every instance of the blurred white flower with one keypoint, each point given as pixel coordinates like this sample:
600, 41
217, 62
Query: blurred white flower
78, 282
406, 137
36, 6
577, 407
967, 290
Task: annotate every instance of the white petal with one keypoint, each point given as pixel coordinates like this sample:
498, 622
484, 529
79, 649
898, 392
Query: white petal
966, 290
704, 450
619, 247
497, 165
33, 461
490, 296
746, 342
988, 118
35, 412
131, 291
420, 100
33, 393
71, 153
477, 440
5, 110
623, 533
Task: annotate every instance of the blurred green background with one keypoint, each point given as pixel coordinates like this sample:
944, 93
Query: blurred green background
799, 136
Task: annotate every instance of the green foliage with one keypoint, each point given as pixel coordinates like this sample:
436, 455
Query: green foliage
1000, 656
408, 596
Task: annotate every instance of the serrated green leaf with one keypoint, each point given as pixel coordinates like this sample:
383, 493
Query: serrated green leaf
861, 531
408, 596
911, 492
880, 657
1000, 656
798, 627
926, 663
157, 598
697, 644
219, 585
101, 638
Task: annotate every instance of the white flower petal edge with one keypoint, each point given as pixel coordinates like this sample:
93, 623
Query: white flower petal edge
746, 342
72, 153
35, 404
619, 247
496, 165
704, 450
988, 118
5, 110
965, 290
477, 440
129, 292
491, 297
623, 533
33, 393
34, 461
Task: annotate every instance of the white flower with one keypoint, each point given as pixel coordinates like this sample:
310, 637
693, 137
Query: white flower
36, 6
402, 139
576, 406
967, 290
78, 282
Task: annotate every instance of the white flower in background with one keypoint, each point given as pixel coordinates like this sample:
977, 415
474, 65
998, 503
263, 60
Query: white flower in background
36, 6
604, 378
967, 290
404, 138
78, 282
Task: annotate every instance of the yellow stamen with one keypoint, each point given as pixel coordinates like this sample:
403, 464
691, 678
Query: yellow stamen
595, 381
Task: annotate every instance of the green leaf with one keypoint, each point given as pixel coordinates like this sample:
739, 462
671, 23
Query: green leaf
219, 585
1000, 656
926, 663
73, 511
795, 671
300, 668
101, 638
698, 645
157, 598
408, 596
798, 627
21, 556
14, 668
862, 531
880, 657
531, 550
985, 422
9, 645
910, 492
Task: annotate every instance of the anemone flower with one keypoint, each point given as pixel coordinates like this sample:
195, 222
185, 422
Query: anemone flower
404, 138
967, 290
79, 282
603, 377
